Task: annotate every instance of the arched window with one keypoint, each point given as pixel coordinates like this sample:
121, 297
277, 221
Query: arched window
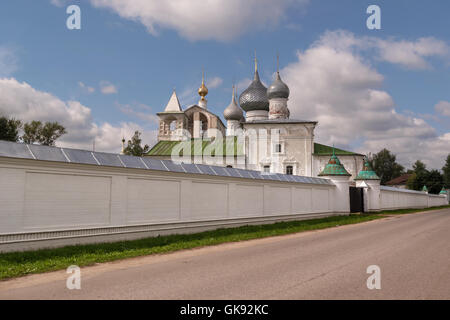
203, 124
173, 125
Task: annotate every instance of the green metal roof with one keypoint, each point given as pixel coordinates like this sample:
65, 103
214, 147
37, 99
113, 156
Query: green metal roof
164, 148
323, 150
367, 173
443, 191
425, 188
334, 167
198, 146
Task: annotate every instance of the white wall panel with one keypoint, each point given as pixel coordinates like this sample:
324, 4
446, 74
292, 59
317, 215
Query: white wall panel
63, 200
320, 200
12, 194
153, 200
247, 200
302, 200
279, 200
209, 200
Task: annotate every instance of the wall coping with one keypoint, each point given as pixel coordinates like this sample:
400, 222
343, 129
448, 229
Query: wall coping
385, 188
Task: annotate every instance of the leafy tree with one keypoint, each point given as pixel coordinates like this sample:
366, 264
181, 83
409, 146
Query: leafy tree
51, 132
31, 132
385, 165
421, 176
419, 167
435, 181
446, 171
45, 134
9, 129
412, 184
134, 147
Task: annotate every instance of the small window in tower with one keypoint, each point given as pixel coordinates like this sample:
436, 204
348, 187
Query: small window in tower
278, 148
267, 169
290, 170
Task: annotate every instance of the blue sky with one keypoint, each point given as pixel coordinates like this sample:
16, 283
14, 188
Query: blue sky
115, 49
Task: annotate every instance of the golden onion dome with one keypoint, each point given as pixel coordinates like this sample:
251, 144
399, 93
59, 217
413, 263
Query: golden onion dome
203, 90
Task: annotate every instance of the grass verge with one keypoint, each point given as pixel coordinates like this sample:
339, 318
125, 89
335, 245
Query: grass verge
405, 211
18, 264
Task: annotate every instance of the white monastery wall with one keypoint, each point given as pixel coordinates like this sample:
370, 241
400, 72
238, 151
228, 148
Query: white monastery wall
40, 197
45, 204
395, 198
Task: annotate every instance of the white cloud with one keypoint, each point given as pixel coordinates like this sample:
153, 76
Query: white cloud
8, 61
109, 137
443, 108
408, 54
59, 3
22, 101
140, 111
107, 87
332, 83
199, 20
86, 88
412, 54
214, 82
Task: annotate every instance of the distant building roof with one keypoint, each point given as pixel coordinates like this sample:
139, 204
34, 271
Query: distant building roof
399, 180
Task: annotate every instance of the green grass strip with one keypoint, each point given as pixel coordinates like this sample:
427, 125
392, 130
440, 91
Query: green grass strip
405, 211
16, 264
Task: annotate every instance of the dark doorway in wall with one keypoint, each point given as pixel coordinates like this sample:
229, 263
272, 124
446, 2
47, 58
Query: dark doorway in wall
356, 200
290, 170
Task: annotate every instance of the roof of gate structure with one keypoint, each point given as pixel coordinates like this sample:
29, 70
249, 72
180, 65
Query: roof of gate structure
334, 167
367, 173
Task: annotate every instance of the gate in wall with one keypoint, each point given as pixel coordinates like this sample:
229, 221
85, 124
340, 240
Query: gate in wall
356, 199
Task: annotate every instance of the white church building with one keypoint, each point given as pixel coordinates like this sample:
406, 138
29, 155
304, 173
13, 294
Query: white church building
259, 134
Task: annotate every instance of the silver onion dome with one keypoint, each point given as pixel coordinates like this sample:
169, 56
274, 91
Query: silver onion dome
233, 111
255, 96
278, 89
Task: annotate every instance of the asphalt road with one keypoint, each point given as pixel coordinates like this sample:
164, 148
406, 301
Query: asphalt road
412, 252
